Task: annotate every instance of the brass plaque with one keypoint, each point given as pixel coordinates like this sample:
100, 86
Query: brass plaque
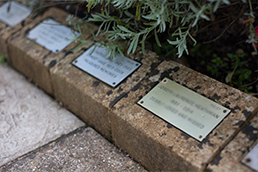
184, 108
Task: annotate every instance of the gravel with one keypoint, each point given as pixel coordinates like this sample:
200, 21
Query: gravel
81, 150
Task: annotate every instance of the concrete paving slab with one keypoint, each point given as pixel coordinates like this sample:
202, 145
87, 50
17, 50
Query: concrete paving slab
229, 159
82, 150
28, 117
160, 146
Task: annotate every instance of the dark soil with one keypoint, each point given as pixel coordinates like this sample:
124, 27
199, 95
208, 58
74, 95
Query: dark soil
221, 49
232, 41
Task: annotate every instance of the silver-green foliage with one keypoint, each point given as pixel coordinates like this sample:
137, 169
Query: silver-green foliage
137, 20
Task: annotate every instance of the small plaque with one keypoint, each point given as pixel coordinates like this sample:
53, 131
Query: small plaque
52, 35
97, 64
16, 14
251, 159
184, 108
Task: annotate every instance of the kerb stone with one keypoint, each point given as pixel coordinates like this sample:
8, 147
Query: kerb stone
161, 147
33, 60
229, 159
7, 31
90, 98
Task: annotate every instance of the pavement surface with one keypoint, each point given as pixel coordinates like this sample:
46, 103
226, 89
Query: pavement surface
37, 134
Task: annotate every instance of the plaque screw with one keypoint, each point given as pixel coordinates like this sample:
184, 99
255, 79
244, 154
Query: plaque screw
248, 160
165, 80
142, 102
224, 111
56, 50
136, 64
113, 83
75, 61
200, 136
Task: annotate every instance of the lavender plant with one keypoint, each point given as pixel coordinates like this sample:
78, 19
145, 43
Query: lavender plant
138, 20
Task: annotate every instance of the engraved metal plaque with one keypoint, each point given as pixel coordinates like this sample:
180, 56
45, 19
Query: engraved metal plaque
17, 13
184, 108
97, 64
52, 35
251, 159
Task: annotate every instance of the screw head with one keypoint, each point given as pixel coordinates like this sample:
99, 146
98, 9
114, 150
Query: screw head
248, 160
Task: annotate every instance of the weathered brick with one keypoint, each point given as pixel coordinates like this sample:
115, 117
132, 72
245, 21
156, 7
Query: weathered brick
7, 31
229, 158
161, 147
88, 97
33, 60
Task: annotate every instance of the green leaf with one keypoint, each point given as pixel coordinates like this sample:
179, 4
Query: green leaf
216, 6
243, 63
2, 58
230, 55
156, 38
80, 31
124, 29
143, 43
229, 77
138, 10
136, 43
133, 44
173, 42
90, 3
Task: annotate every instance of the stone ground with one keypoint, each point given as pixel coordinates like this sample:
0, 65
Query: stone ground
37, 134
